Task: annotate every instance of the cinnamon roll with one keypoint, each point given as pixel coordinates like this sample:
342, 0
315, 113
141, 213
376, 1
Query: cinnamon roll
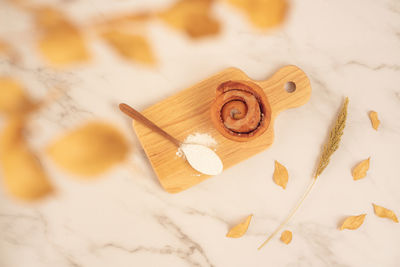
241, 110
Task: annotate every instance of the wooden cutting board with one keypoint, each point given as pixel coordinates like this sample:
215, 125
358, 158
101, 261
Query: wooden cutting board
188, 112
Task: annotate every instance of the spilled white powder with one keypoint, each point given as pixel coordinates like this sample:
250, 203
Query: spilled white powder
201, 139
198, 138
196, 149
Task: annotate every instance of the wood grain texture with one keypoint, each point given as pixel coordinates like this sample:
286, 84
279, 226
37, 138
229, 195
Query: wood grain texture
188, 112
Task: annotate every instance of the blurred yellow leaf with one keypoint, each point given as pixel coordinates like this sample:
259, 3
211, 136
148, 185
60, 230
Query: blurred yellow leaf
286, 237
123, 20
281, 175
23, 174
89, 150
63, 48
8, 52
385, 213
353, 222
130, 46
61, 42
373, 115
263, 13
12, 133
360, 171
3, 47
240, 229
192, 17
13, 98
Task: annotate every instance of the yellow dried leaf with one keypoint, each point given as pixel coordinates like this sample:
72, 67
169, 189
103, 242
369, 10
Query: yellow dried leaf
123, 20
61, 42
50, 19
4, 48
192, 17
131, 46
353, 222
240, 229
385, 213
89, 150
286, 237
23, 174
12, 133
8, 52
263, 13
360, 171
63, 48
13, 98
373, 115
281, 175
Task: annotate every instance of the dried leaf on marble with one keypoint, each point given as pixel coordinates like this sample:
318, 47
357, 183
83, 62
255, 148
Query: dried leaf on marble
240, 229
60, 41
192, 17
130, 46
263, 13
22, 172
373, 115
281, 175
286, 237
360, 171
89, 150
353, 222
13, 98
385, 213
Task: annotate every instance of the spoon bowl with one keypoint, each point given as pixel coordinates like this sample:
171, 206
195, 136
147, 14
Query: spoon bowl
203, 159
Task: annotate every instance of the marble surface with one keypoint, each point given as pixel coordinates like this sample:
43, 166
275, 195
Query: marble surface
348, 48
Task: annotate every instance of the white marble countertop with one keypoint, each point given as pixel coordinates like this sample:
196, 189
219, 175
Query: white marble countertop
347, 48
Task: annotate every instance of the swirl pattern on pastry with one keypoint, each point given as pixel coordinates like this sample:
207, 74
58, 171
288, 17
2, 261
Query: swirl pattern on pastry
241, 110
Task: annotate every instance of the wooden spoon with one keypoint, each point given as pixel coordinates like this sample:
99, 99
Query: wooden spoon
201, 158
136, 115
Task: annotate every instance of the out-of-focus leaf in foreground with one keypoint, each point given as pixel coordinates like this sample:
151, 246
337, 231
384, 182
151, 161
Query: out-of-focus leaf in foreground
192, 17
129, 20
3, 47
60, 41
263, 13
23, 174
8, 52
13, 99
130, 46
89, 150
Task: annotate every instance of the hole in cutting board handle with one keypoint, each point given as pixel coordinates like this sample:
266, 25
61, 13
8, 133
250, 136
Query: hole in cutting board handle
290, 87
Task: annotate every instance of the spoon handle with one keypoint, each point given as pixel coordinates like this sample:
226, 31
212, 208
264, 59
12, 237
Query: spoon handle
136, 115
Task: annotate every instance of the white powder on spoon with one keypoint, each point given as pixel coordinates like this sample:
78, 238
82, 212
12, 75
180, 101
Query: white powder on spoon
197, 152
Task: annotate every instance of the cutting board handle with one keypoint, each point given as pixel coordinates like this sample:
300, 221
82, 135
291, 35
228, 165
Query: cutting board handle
279, 88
